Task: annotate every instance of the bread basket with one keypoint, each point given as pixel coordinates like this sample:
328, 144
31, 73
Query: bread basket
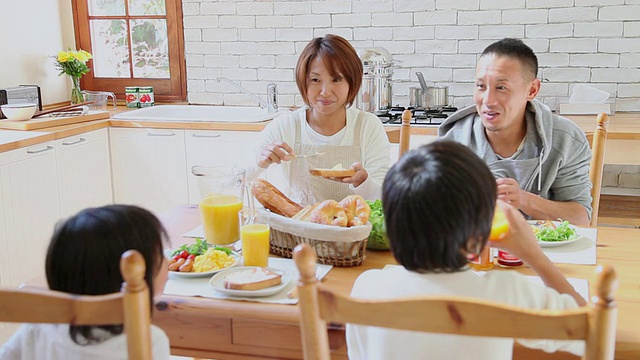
334, 245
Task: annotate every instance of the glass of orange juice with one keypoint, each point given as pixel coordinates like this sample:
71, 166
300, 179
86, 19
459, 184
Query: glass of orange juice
221, 191
254, 232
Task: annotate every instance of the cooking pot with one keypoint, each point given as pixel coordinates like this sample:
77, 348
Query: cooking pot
436, 97
415, 97
375, 94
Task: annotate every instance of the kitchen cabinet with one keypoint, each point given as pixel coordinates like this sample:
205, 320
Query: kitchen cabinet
84, 171
149, 167
218, 148
415, 141
29, 210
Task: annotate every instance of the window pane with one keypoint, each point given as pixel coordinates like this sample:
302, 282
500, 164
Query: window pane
150, 48
146, 7
110, 43
106, 7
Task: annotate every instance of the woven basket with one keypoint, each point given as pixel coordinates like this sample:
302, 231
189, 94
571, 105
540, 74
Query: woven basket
333, 245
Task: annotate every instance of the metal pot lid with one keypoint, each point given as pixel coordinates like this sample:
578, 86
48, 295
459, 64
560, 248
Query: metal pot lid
375, 56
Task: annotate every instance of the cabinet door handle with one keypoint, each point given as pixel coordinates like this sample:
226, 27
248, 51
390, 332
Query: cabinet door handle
40, 150
74, 142
160, 134
216, 135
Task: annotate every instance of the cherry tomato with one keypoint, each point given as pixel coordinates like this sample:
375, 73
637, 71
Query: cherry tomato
191, 256
184, 254
177, 257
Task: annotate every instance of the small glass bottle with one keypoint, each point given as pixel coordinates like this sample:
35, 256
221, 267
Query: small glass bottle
482, 261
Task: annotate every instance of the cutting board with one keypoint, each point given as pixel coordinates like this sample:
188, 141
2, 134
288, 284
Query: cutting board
45, 122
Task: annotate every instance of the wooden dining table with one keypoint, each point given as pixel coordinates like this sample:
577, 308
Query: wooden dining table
229, 329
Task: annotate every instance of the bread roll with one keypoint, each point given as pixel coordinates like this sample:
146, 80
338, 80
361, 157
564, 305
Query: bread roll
274, 200
252, 279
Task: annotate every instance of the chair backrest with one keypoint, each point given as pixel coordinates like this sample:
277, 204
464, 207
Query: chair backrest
405, 133
595, 323
130, 307
596, 168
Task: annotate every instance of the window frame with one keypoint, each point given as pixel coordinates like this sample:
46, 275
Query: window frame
173, 89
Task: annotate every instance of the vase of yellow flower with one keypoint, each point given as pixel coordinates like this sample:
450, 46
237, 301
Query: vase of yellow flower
74, 64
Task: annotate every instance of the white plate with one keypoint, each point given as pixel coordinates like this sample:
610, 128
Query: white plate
236, 262
217, 283
556, 243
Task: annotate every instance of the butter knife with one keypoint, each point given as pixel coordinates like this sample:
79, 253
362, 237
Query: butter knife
309, 155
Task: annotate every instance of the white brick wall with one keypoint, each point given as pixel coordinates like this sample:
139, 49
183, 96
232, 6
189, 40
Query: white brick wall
256, 42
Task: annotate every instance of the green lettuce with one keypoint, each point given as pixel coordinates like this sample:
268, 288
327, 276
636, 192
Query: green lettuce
378, 239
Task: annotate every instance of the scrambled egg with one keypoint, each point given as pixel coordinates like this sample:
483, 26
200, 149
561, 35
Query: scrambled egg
212, 260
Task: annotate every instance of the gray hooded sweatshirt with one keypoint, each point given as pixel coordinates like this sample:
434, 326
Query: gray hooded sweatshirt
552, 161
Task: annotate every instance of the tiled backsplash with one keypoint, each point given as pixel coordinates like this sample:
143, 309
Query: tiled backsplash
257, 42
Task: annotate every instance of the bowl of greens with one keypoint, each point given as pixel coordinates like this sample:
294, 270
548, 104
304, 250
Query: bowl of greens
378, 239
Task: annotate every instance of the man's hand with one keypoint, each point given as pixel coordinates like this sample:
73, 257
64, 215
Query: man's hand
540, 208
509, 191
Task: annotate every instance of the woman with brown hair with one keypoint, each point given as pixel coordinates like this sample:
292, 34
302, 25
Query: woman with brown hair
328, 75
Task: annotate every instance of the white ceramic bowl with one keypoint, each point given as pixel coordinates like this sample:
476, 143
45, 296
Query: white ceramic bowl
18, 112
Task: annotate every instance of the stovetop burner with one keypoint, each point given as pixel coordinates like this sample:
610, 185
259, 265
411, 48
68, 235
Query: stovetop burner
419, 116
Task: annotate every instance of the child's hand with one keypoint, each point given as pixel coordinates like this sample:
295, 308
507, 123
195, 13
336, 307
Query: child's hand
520, 240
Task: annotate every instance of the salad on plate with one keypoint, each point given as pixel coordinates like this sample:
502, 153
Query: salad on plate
552, 233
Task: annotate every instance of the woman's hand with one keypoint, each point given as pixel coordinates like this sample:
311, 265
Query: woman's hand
275, 153
356, 179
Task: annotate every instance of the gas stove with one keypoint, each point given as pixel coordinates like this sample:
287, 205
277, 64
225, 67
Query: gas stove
419, 116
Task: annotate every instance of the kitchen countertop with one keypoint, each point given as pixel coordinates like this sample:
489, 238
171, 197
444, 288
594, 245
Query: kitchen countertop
622, 126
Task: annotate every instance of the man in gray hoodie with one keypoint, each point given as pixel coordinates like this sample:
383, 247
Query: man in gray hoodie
540, 160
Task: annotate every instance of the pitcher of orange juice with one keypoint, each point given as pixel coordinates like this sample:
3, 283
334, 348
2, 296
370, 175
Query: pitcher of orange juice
221, 190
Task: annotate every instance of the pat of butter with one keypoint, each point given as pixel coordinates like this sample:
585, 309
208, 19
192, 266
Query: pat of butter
338, 167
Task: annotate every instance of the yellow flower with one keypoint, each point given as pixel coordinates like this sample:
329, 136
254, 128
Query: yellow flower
72, 62
81, 55
64, 56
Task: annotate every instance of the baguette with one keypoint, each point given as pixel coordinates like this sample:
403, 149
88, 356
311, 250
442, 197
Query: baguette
252, 279
274, 200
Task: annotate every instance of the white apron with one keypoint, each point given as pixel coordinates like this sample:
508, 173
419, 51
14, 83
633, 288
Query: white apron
307, 189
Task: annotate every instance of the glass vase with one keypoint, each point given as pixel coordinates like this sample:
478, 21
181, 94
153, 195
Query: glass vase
76, 92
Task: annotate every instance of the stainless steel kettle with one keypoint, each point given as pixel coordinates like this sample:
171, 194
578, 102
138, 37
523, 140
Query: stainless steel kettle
376, 92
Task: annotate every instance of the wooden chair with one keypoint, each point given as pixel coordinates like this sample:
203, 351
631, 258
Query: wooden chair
129, 307
595, 323
598, 140
405, 133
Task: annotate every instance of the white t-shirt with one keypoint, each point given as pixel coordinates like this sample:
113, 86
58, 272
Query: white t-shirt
52, 342
510, 287
374, 145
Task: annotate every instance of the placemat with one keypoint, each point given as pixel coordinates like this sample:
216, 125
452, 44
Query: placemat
200, 286
581, 252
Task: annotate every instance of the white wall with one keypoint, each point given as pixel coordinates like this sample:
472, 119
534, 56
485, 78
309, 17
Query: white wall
32, 31
255, 42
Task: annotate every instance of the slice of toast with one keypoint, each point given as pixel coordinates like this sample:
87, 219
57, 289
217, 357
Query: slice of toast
336, 171
332, 172
252, 279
